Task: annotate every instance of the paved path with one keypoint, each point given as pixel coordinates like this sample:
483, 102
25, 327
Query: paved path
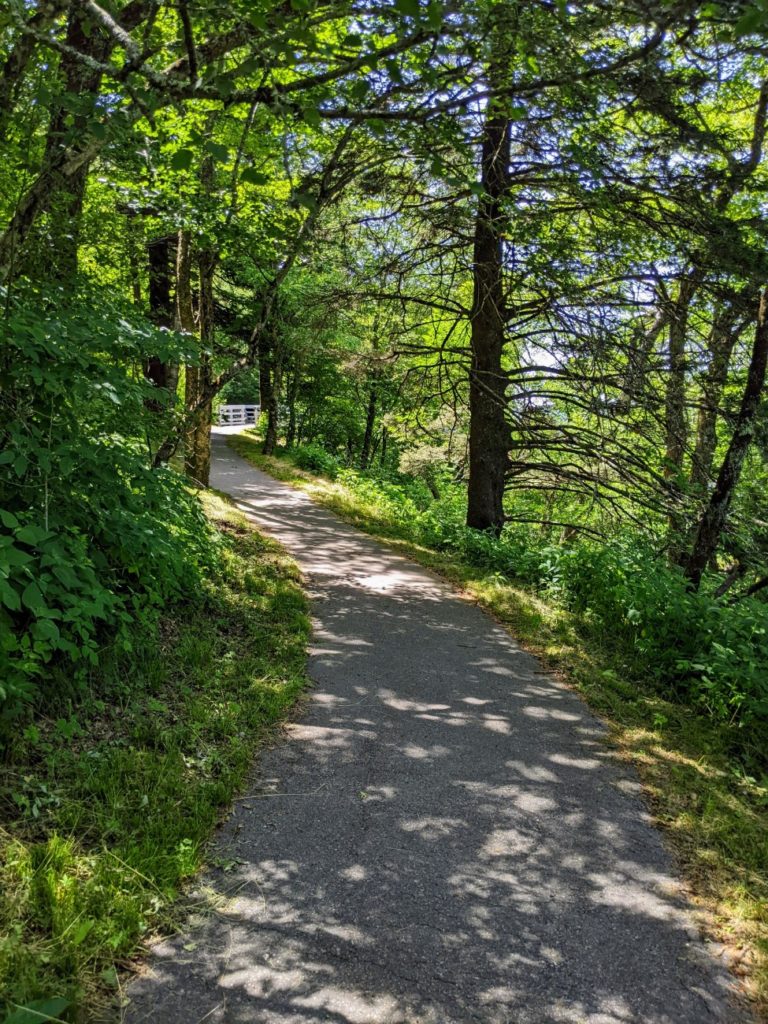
443, 838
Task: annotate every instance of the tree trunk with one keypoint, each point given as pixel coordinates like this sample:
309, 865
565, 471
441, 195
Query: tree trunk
722, 339
266, 391
81, 80
715, 515
64, 167
270, 375
194, 464
202, 425
675, 411
370, 423
161, 311
488, 430
638, 359
675, 418
291, 396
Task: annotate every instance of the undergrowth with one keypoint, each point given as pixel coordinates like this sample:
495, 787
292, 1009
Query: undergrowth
705, 786
107, 804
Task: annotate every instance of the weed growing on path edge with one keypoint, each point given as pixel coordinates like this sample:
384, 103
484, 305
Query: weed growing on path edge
107, 807
715, 814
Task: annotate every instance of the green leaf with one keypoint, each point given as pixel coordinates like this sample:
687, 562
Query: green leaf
9, 597
312, 117
109, 977
217, 151
82, 931
11, 555
409, 7
182, 159
32, 534
306, 200
32, 598
359, 90
38, 1012
752, 21
8, 519
46, 630
435, 15
253, 177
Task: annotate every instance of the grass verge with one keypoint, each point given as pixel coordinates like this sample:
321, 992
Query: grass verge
107, 805
715, 815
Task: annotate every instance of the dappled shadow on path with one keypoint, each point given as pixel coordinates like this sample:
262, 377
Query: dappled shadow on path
444, 838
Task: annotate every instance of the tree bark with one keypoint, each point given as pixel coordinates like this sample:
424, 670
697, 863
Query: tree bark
488, 429
715, 515
370, 423
675, 409
207, 262
81, 80
721, 341
638, 358
194, 459
675, 417
162, 374
270, 379
64, 167
292, 392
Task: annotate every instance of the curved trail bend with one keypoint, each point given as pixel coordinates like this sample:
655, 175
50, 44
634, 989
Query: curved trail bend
444, 837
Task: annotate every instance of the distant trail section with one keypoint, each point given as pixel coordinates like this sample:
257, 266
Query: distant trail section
444, 836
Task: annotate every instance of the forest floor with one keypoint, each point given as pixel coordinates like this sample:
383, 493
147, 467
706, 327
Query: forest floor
448, 834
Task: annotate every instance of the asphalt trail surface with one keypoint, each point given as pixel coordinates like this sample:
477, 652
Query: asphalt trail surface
444, 836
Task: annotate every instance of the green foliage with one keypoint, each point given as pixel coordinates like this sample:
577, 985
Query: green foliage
316, 459
107, 810
92, 540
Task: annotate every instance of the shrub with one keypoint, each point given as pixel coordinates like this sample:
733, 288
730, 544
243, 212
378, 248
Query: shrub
315, 459
91, 538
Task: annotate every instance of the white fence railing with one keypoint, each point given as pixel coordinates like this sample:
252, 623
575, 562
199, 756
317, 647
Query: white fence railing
238, 415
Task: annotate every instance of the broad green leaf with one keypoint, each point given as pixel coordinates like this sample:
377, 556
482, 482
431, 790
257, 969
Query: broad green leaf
9, 596
38, 1012
81, 932
32, 534
32, 598
217, 151
10, 555
44, 629
253, 177
182, 159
